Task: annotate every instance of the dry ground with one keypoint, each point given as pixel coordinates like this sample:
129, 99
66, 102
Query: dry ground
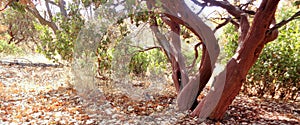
37, 94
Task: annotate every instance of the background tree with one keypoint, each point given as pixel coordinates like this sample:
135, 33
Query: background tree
20, 26
58, 24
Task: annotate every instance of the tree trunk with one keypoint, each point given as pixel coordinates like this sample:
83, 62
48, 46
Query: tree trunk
179, 12
246, 55
229, 82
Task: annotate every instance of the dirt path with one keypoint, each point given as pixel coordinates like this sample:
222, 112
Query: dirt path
44, 95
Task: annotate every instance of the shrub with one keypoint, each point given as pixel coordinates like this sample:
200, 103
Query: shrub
9, 48
62, 42
153, 60
277, 70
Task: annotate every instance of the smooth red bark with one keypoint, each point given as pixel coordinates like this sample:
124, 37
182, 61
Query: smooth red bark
228, 84
246, 55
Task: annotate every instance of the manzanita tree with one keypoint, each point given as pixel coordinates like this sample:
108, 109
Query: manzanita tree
253, 36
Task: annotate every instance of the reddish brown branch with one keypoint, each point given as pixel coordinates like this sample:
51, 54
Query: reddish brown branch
231, 9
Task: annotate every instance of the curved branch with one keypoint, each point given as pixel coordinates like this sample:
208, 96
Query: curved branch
231, 9
243, 7
273, 32
203, 5
179, 12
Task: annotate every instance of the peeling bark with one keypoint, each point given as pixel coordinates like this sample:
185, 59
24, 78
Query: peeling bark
178, 12
245, 57
244, 27
229, 82
175, 43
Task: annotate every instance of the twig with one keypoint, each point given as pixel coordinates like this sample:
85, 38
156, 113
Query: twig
141, 49
196, 55
243, 7
235, 23
150, 48
201, 10
283, 22
203, 5
227, 20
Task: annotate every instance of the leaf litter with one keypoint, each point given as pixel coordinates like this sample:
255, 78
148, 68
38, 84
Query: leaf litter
45, 95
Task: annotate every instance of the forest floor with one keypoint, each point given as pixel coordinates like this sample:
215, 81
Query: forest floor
37, 93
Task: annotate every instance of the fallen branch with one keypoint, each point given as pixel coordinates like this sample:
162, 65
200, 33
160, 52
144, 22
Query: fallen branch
30, 64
